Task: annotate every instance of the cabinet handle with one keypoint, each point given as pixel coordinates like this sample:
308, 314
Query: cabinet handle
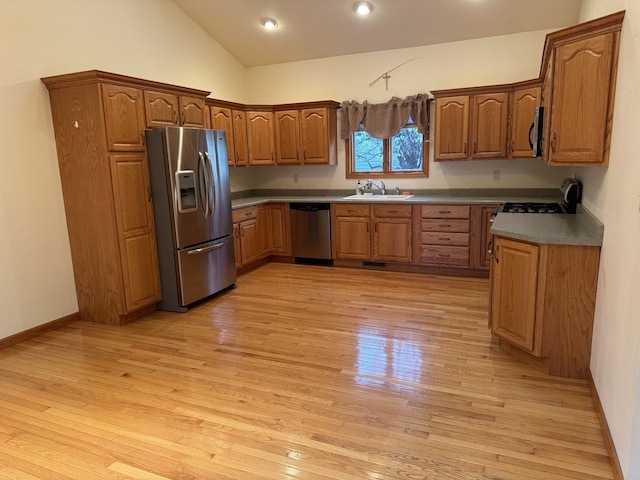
553, 143
175, 117
489, 248
445, 211
237, 157
144, 139
475, 148
393, 211
444, 238
444, 226
497, 251
465, 148
442, 255
184, 117
298, 156
148, 194
305, 155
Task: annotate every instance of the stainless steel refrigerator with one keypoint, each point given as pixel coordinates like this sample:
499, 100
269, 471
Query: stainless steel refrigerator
192, 211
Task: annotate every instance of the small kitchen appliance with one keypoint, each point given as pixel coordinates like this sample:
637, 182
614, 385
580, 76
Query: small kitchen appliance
571, 194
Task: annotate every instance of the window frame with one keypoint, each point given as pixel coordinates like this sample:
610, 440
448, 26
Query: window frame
386, 160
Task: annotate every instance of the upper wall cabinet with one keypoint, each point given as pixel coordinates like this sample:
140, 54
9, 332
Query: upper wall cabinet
580, 68
260, 129
167, 109
524, 101
231, 118
576, 86
471, 123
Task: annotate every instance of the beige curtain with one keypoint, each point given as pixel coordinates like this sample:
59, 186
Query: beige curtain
384, 120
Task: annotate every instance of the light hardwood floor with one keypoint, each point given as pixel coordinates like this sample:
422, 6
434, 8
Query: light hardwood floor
302, 372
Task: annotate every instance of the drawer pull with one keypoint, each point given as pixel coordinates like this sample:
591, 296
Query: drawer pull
442, 255
393, 211
444, 238
444, 211
444, 226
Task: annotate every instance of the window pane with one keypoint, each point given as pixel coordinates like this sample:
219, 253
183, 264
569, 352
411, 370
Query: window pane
406, 150
367, 152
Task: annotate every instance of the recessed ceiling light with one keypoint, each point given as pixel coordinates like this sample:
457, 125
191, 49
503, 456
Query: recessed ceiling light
269, 23
363, 8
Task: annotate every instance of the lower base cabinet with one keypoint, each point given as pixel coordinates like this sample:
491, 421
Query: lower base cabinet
543, 302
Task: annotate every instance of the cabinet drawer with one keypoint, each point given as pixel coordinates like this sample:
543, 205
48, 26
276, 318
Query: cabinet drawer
449, 256
244, 214
394, 211
445, 225
445, 211
351, 210
445, 238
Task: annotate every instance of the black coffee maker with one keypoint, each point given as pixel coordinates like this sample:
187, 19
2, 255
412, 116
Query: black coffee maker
571, 194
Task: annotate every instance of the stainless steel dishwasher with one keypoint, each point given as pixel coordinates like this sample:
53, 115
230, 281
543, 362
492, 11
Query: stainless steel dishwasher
311, 232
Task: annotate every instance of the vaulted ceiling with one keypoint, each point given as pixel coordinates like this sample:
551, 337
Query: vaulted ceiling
310, 29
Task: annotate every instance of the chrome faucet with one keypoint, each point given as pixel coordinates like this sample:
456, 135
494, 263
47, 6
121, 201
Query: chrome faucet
370, 184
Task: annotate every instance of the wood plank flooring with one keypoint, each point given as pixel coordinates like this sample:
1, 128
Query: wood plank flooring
302, 372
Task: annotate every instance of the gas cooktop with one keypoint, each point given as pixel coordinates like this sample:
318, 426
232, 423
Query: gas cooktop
531, 207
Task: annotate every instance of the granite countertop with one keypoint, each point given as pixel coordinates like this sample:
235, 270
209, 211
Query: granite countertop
559, 229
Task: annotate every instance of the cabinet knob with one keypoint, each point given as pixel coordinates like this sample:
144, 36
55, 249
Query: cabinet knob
553, 142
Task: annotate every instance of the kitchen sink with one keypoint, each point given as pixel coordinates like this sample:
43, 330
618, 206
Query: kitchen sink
368, 196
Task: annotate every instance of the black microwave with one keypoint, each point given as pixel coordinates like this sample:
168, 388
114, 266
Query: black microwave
535, 132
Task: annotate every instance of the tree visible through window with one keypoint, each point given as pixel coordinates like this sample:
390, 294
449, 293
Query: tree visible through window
404, 153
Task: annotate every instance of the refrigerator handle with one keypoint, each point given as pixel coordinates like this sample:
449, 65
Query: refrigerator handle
203, 183
212, 185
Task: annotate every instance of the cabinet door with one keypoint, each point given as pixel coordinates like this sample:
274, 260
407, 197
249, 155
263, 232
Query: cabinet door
124, 118
279, 242
481, 235
250, 249
264, 228
318, 141
514, 279
193, 112
136, 235
489, 117
237, 245
581, 94
221, 119
288, 137
240, 138
352, 238
523, 106
392, 240
260, 135
161, 109
452, 128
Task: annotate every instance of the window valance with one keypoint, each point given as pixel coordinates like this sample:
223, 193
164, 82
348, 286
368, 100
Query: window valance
384, 120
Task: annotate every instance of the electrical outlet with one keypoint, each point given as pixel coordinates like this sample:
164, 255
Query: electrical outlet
295, 178
496, 175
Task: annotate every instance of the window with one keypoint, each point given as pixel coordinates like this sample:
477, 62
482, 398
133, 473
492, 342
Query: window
405, 154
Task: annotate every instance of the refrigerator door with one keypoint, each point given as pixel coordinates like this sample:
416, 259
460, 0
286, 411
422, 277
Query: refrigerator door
206, 269
220, 193
189, 181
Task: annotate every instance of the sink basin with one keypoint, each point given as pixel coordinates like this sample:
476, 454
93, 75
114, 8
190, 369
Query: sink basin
368, 197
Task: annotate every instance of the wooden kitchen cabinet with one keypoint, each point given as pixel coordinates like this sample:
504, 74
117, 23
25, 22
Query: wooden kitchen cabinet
582, 97
488, 134
543, 302
392, 233
351, 231
279, 229
288, 144
481, 216
471, 123
250, 237
124, 118
452, 127
261, 140
168, 109
98, 119
444, 235
524, 101
307, 136
233, 122
513, 292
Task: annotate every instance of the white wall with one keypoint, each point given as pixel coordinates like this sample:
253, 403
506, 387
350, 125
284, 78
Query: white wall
149, 39
486, 61
613, 194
